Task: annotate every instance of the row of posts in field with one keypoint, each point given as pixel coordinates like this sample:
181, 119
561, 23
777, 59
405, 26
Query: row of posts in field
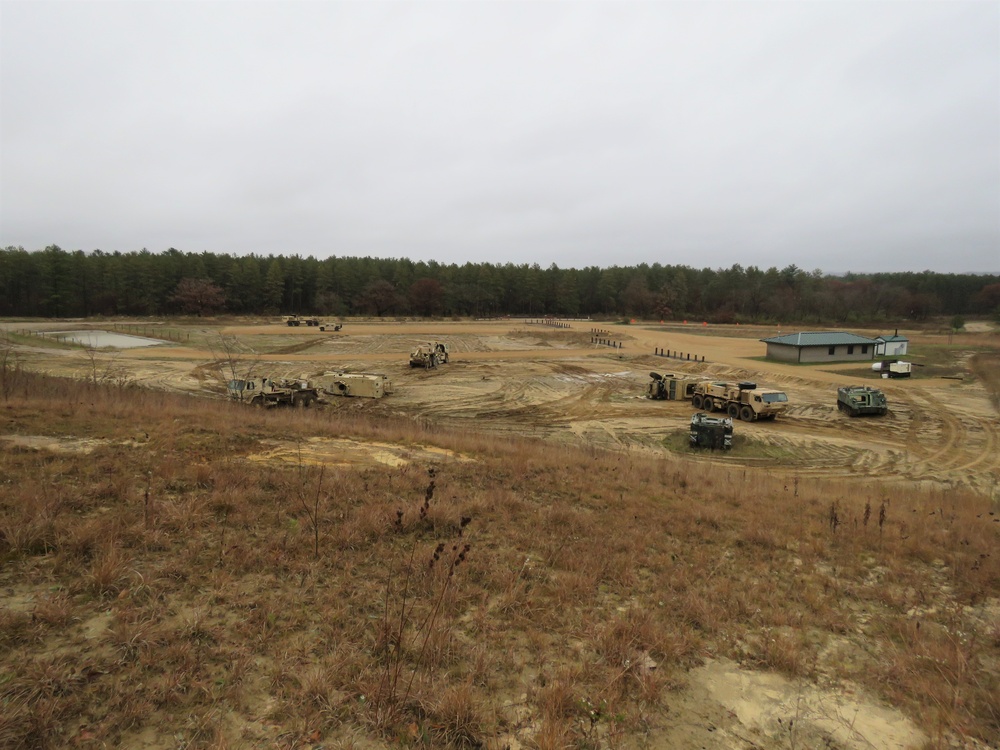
548, 322
687, 357
602, 336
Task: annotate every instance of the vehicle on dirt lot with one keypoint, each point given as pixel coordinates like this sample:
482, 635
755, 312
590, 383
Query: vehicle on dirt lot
270, 392
360, 384
295, 320
670, 387
335, 327
711, 432
429, 355
855, 400
743, 400
893, 368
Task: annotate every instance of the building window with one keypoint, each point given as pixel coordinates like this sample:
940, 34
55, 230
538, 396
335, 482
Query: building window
850, 348
832, 350
864, 348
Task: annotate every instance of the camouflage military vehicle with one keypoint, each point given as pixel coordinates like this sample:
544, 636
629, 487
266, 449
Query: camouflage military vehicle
271, 392
711, 432
855, 400
743, 400
429, 355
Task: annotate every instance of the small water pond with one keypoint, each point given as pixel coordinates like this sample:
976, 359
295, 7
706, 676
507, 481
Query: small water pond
104, 339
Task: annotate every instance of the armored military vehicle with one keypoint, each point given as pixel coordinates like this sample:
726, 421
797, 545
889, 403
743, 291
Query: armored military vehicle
711, 432
360, 384
856, 400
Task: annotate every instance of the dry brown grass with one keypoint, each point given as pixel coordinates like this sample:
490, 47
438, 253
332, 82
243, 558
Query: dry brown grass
169, 585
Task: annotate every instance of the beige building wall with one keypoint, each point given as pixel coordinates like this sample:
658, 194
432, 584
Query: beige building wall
841, 353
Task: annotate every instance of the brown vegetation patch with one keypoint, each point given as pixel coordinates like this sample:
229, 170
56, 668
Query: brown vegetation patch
532, 593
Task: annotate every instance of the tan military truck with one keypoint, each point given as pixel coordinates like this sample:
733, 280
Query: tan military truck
271, 392
429, 355
743, 400
670, 387
296, 320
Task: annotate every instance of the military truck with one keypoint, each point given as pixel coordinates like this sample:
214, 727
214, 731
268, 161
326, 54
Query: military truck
429, 355
295, 320
271, 392
743, 400
711, 432
670, 387
359, 384
856, 400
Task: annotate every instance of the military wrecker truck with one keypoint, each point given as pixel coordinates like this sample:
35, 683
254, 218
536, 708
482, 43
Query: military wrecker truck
270, 392
855, 400
429, 355
743, 400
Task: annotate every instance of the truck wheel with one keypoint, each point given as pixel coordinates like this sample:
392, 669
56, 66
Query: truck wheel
746, 414
708, 404
733, 411
696, 401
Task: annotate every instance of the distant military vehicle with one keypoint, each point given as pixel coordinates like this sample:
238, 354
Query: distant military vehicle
743, 400
359, 384
429, 355
670, 387
856, 400
711, 432
270, 392
295, 320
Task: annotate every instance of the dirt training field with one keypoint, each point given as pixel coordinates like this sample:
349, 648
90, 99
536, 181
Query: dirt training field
532, 379
193, 572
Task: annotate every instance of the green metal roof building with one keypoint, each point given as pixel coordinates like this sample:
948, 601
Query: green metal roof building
820, 346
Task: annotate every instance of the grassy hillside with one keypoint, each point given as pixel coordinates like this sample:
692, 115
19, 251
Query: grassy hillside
163, 588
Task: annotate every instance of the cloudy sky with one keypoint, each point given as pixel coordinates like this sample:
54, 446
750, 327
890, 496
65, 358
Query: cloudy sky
831, 134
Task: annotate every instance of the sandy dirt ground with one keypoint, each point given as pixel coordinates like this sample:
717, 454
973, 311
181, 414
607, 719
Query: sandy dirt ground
516, 377
519, 378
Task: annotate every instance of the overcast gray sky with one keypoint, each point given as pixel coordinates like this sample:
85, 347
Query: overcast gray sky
838, 135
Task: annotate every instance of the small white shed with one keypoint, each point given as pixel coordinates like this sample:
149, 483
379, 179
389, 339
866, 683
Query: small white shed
890, 346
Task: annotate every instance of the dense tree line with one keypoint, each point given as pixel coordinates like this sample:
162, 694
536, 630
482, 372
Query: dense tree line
56, 283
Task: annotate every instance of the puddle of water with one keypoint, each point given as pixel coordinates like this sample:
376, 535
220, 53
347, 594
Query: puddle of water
104, 339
